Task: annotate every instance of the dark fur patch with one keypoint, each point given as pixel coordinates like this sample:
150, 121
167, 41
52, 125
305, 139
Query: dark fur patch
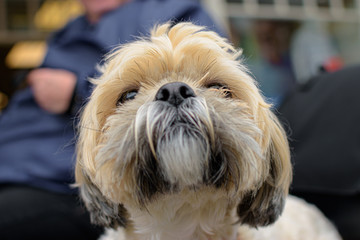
217, 172
256, 212
150, 181
222, 173
102, 212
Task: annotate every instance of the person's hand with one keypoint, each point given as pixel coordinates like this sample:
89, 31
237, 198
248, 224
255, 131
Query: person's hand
52, 88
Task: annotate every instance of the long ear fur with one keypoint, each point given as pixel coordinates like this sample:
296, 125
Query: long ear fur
263, 206
102, 211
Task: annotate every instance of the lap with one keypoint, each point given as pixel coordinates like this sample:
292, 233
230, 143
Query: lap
30, 213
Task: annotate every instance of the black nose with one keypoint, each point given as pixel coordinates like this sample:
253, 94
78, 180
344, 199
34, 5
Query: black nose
174, 93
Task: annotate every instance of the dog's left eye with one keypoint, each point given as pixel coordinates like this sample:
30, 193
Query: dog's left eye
129, 95
223, 88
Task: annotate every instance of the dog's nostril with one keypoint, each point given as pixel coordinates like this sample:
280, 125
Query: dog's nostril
174, 93
163, 95
186, 91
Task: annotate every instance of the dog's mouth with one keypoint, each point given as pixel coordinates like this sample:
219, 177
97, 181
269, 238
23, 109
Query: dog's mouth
181, 119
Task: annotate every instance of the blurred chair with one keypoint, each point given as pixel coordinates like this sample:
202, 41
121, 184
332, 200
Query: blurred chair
322, 119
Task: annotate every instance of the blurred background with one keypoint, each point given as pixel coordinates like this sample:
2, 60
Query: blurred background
284, 41
285, 44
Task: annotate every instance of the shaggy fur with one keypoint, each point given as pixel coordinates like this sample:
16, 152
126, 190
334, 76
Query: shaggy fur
176, 141
299, 221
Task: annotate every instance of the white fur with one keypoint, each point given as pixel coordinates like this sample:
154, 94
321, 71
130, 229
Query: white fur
299, 221
184, 216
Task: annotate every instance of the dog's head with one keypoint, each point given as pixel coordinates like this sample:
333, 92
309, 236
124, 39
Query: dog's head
179, 111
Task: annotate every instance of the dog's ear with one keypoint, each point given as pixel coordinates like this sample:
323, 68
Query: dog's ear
263, 206
102, 212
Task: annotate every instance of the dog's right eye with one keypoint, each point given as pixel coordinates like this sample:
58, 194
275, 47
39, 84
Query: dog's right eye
126, 96
221, 87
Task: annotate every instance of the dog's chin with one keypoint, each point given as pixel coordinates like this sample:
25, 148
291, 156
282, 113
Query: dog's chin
177, 139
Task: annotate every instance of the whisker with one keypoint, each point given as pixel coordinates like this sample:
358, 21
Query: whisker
93, 129
101, 112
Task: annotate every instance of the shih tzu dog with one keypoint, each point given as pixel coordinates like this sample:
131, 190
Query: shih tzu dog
176, 142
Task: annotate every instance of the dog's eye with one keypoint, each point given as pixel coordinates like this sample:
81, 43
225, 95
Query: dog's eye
220, 87
129, 95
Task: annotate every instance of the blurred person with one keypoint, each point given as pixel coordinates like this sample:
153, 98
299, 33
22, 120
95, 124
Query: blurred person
287, 53
313, 52
37, 129
272, 66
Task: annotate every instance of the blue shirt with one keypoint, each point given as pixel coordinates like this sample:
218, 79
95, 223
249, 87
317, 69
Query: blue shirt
37, 147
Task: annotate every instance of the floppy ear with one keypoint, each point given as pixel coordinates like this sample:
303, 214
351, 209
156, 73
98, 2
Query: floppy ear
264, 205
102, 212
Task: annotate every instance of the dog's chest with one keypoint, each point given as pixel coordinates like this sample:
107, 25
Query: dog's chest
203, 215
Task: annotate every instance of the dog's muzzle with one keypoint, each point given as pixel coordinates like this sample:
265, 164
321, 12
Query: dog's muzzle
175, 150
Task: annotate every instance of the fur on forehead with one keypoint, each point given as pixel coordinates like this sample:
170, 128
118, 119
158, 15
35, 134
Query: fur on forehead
179, 53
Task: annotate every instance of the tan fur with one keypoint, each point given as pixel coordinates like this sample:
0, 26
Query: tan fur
179, 198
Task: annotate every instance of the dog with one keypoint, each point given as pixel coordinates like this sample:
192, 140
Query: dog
177, 142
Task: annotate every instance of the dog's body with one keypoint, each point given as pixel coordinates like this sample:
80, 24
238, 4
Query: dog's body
176, 142
299, 221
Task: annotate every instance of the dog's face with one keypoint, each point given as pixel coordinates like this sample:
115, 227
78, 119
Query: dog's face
179, 112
